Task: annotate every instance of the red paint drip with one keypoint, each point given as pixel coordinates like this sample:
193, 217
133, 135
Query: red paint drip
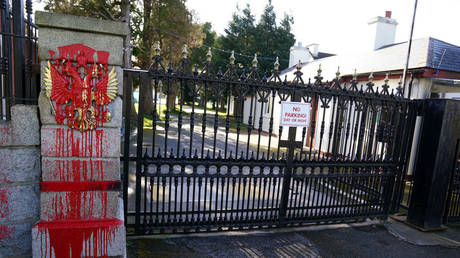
76, 51
6, 232
77, 205
69, 238
4, 209
69, 143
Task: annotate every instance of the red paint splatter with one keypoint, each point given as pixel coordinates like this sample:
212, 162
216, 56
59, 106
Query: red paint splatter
71, 143
5, 136
4, 209
76, 205
77, 170
6, 232
69, 238
73, 223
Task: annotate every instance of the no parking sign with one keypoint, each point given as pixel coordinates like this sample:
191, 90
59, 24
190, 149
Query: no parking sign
295, 114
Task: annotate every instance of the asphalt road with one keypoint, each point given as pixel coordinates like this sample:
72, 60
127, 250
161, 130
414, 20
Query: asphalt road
369, 241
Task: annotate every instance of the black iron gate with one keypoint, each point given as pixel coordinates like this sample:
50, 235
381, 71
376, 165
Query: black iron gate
19, 66
190, 166
452, 212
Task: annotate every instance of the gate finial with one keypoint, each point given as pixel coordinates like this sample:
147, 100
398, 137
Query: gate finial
299, 66
157, 49
254, 61
209, 55
276, 65
184, 52
232, 58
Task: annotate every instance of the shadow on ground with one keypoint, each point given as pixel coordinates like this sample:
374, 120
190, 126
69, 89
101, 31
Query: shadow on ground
369, 241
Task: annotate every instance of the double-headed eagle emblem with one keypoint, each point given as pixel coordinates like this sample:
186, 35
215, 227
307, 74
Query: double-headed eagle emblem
79, 89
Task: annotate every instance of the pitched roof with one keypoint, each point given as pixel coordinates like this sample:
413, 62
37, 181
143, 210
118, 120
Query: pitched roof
425, 52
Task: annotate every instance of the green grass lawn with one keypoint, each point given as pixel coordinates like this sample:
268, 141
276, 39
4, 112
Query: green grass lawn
148, 118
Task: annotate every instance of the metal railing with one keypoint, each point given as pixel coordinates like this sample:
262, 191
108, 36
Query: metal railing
189, 167
19, 69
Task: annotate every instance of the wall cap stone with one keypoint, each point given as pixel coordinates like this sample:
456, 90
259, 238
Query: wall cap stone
79, 23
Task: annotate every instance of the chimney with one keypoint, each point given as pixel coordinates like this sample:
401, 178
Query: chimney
313, 49
384, 29
299, 53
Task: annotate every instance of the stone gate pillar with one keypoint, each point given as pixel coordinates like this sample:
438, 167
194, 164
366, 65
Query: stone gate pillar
81, 214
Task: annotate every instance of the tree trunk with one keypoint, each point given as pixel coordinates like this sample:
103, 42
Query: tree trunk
172, 97
125, 13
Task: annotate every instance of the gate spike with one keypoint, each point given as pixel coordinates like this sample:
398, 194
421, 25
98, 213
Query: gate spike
231, 154
243, 76
273, 156
183, 153
263, 155
159, 153
170, 66
241, 156
196, 153
219, 72
207, 155
282, 156
195, 71
219, 156
252, 154
171, 154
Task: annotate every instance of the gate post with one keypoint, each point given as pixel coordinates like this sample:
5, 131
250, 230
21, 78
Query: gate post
81, 214
435, 161
291, 145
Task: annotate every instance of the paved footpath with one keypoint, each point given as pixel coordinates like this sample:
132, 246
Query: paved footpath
391, 239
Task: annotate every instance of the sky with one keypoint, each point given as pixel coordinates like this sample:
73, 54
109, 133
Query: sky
340, 26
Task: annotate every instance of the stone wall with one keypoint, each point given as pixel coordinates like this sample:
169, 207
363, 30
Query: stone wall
80, 210
19, 180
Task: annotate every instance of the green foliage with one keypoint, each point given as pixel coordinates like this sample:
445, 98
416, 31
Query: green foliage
107, 9
266, 38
